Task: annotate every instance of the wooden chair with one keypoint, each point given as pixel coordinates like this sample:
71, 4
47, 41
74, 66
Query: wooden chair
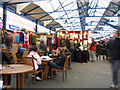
29, 61
66, 54
61, 70
15, 60
41, 53
25, 53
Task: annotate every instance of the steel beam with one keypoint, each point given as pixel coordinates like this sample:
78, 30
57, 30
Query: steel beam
32, 10
24, 2
4, 15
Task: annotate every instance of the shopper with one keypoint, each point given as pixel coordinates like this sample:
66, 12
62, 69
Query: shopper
104, 50
114, 51
37, 61
67, 44
93, 50
42, 47
98, 50
58, 63
20, 51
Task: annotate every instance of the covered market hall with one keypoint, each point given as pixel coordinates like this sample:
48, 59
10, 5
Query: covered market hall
59, 44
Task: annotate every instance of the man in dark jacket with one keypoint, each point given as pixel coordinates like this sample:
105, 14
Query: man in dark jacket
114, 53
58, 63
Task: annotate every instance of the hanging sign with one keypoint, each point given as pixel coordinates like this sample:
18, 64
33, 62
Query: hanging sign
12, 27
15, 30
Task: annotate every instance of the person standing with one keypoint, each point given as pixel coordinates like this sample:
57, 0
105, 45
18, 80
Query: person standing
93, 50
68, 46
114, 55
67, 43
98, 50
42, 46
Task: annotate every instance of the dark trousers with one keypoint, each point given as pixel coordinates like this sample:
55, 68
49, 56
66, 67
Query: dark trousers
53, 65
40, 68
8, 61
115, 67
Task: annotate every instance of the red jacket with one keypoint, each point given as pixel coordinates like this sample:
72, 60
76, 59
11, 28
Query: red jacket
93, 47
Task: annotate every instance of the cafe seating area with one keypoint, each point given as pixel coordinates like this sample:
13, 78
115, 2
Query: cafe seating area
23, 73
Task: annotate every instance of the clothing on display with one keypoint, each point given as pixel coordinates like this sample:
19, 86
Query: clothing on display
21, 37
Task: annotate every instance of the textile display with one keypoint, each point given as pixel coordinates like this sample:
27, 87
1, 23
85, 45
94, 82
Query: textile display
21, 37
26, 41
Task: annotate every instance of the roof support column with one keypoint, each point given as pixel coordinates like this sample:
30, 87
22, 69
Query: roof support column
36, 26
4, 16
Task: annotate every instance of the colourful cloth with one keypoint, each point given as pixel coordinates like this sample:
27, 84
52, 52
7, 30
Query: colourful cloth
17, 38
21, 38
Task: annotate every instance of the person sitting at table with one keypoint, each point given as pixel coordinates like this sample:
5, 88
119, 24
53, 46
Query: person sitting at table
37, 62
57, 63
5, 60
20, 51
49, 52
3, 44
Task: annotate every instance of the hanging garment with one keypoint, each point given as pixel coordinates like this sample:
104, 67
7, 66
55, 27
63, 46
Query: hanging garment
17, 38
11, 39
21, 38
30, 38
58, 42
26, 41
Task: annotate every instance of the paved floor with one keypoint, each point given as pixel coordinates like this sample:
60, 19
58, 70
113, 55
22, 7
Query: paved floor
82, 75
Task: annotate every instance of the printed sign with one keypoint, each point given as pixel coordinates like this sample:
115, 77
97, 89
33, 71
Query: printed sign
12, 27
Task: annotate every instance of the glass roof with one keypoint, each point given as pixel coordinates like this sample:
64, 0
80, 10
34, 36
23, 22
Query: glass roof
67, 12
75, 14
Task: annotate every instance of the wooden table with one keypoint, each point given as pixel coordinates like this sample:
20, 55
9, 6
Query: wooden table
45, 61
17, 69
